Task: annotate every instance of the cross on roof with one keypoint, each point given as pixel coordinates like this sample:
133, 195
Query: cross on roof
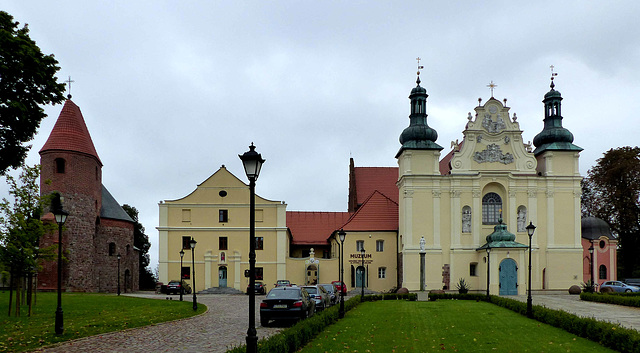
69, 82
420, 67
492, 86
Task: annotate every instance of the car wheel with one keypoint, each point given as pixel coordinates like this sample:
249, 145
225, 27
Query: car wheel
628, 291
264, 321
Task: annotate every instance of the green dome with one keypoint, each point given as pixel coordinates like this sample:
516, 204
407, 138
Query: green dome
500, 234
553, 136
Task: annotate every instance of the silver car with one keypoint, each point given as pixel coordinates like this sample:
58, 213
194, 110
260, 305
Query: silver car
319, 295
332, 291
617, 286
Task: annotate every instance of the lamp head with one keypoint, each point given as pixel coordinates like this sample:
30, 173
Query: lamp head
192, 243
56, 209
362, 251
252, 162
182, 252
591, 249
342, 234
531, 229
119, 257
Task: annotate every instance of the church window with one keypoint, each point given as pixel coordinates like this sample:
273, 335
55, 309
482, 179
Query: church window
491, 207
359, 245
222, 243
185, 272
602, 273
185, 243
60, 165
472, 269
259, 243
466, 219
379, 245
223, 216
112, 249
382, 272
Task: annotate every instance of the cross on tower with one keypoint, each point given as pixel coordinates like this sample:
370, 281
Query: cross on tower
420, 67
69, 82
553, 74
492, 86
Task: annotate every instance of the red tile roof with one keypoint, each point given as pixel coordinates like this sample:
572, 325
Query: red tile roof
309, 228
370, 179
70, 133
377, 213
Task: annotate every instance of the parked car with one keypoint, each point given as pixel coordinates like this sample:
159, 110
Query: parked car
283, 283
617, 286
340, 286
174, 287
286, 303
332, 291
319, 295
259, 288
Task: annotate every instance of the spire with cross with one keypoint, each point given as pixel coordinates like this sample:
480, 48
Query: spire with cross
492, 86
553, 75
69, 82
420, 67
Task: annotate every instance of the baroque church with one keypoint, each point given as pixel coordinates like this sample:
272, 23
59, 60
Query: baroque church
464, 215
97, 237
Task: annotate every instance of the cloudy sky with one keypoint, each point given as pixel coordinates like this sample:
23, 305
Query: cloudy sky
172, 90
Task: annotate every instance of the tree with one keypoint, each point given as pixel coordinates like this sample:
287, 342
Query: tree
21, 228
27, 81
141, 242
611, 192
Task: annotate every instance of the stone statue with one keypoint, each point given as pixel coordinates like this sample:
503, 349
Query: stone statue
422, 244
522, 219
466, 220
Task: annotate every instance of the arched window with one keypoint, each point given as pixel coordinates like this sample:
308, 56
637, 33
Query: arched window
491, 206
602, 273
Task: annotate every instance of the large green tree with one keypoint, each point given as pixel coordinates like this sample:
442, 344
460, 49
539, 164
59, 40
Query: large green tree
27, 82
611, 191
141, 242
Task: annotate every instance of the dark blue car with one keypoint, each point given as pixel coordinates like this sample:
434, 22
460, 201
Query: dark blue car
286, 303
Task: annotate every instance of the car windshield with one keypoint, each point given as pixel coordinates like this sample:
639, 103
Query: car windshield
284, 294
174, 282
328, 287
311, 290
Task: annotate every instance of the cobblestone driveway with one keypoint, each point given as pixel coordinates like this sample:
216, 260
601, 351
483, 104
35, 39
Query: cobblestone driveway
223, 326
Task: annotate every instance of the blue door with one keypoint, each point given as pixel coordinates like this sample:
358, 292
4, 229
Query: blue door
360, 277
508, 277
222, 276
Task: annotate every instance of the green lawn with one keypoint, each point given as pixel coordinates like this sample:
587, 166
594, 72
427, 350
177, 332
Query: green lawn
444, 325
84, 315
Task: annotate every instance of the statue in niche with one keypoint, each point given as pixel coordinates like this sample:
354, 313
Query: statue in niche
522, 219
466, 219
422, 244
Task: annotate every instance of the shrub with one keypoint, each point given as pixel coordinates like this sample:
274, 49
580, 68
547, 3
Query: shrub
626, 299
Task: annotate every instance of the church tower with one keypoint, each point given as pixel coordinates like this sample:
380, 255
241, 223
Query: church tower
97, 229
418, 162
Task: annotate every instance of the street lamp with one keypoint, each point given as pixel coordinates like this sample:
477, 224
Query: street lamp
362, 274
342, 234
591, 266
61, 217
530, 230
181, 279
252, 162
488, 249
118, 274
192, 244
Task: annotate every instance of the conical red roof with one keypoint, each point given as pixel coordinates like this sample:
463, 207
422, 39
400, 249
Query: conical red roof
70, 133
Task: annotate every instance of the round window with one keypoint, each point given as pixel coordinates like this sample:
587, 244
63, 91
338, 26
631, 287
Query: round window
222, 193
602, 244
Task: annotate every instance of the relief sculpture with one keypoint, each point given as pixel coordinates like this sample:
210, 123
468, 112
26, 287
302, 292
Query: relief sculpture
493, 154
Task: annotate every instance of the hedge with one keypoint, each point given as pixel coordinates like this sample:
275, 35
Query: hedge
626, 299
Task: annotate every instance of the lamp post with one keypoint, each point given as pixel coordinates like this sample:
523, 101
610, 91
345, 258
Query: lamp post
118, 274
362, 251
181, 279
252, 162
530, 230
591, 249
192, 244
61, 217
488, 249
342, 234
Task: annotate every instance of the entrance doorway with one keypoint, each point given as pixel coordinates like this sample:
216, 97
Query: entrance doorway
360, 277
222, 276
508, 277
312, 274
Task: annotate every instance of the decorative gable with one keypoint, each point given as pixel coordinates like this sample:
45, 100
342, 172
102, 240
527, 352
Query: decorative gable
492, 141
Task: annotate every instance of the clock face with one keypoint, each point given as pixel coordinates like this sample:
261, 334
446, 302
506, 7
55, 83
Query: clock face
493, 109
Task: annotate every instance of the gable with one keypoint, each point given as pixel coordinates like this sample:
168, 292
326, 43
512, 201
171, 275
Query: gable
311, 228
377, 213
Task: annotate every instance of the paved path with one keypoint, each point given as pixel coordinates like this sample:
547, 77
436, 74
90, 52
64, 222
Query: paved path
624, 315
224, 325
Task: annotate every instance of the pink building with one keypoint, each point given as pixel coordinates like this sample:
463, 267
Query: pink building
599, 254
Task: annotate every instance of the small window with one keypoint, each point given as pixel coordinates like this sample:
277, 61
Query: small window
602, 272
379, 245
382, 272
602, 244
128, 248
185, 273
185, 243
186, 215
259, 243
359, 245
60, 165
223, 216
472, 269
259, 274
222, 243
112, 249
